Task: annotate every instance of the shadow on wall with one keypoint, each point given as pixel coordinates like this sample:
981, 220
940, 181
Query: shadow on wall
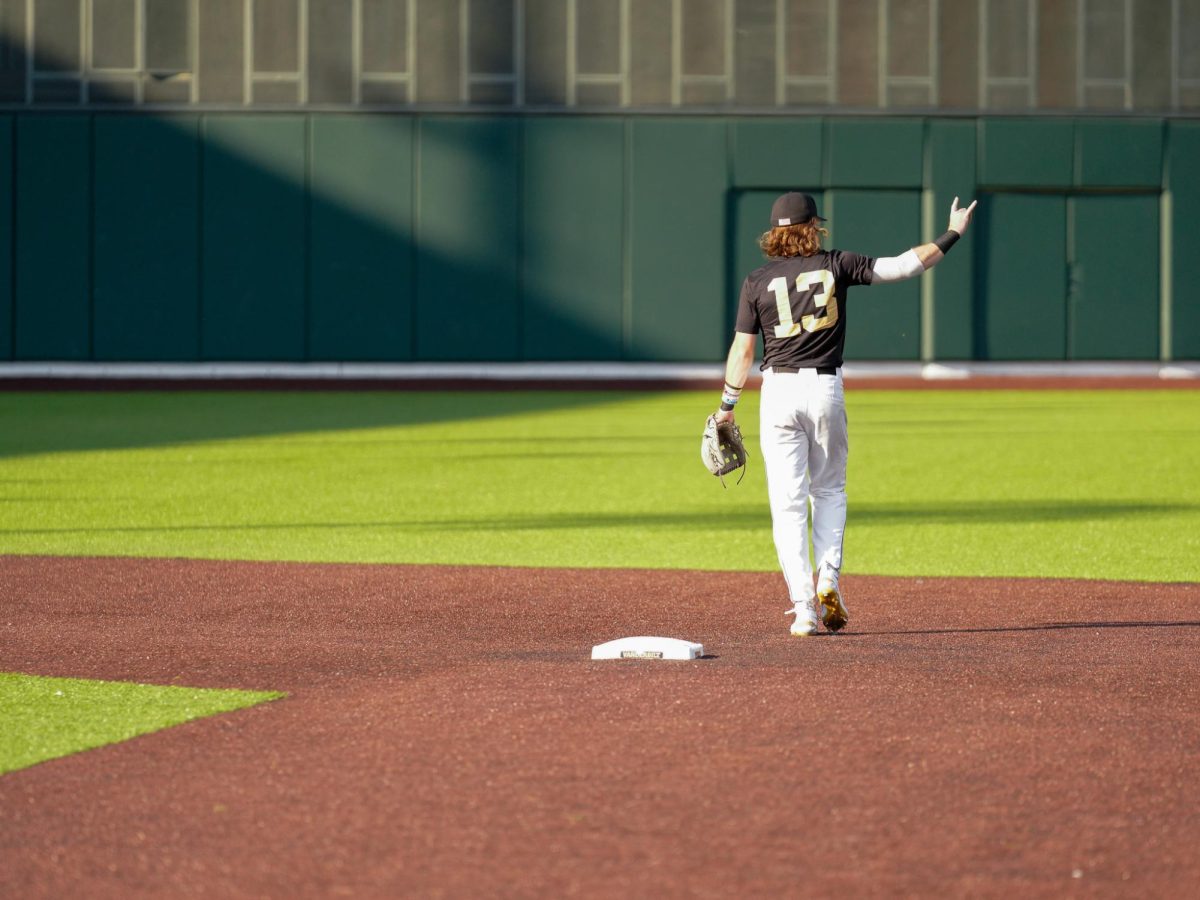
281, 237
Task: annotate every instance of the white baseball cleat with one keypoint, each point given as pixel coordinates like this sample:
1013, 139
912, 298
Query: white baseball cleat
830, 597
805, 623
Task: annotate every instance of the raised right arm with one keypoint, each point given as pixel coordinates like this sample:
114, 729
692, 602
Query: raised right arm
918, 259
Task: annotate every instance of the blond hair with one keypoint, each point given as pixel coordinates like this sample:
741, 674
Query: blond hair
783, 241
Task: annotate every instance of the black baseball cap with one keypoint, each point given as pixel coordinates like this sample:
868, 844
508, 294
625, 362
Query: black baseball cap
794, 208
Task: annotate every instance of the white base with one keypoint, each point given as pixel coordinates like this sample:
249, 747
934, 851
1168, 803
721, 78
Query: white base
648, 648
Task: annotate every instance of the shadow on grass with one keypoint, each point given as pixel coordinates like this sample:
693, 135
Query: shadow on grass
699, 519
1014, 512
70, 422
1017, 629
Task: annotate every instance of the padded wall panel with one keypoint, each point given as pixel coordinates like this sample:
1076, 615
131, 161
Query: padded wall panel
145, 229
678, 240
572, 238
777, 153
53, 284
361, 252
1114, 298
751, 211
951, 173
253, 299
263, 298
1026, 152
883, 321
467, 234
6, 244
1119, 153
863, 153
1021, 269
1183, 151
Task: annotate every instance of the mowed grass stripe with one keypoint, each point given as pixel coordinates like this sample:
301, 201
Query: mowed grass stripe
45, 718
1087, 484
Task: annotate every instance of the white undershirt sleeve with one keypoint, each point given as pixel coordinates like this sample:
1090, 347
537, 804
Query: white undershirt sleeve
897, 268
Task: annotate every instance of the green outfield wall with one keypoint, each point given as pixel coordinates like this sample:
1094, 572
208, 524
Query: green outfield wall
395, 237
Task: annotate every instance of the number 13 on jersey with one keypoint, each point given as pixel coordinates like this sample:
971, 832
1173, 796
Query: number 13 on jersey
806, 283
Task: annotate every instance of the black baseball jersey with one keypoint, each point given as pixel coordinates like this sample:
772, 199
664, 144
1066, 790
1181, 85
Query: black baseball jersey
799, 305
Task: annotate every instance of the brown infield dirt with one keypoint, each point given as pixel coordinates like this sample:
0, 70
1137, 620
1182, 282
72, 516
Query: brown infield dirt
446, 734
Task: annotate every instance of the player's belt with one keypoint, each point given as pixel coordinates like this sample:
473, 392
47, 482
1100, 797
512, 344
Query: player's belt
792, 370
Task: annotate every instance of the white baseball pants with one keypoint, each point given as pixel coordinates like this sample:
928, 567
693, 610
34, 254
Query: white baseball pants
804, 448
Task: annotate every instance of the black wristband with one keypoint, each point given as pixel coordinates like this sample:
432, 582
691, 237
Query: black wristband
946, 241
726, 407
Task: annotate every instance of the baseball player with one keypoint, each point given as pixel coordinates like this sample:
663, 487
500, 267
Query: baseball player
798, 300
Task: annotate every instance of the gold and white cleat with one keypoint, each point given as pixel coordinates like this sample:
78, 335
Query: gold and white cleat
834, 615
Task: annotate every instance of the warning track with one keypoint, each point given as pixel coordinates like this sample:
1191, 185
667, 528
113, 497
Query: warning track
445, 735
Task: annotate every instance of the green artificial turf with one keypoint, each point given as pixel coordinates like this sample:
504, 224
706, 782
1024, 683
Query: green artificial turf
1095, 484
45, 718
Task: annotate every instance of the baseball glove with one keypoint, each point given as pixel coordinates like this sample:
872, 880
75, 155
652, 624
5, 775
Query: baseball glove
722, 448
